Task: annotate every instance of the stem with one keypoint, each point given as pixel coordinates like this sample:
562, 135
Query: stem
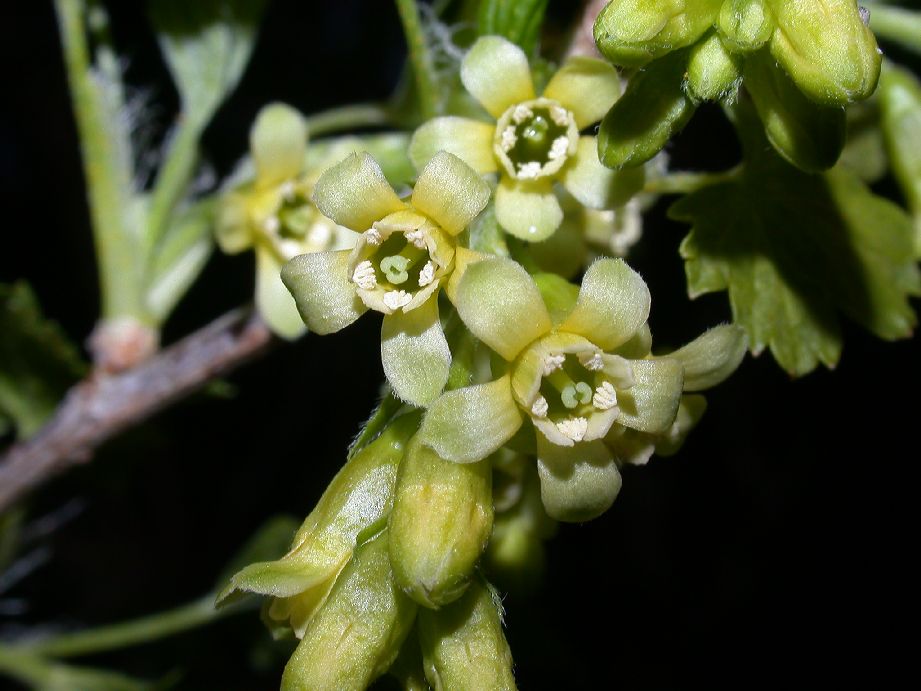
108, 183
685, 183
896, 24
380, 418
128, 633
29, 669
347, 118
420, 57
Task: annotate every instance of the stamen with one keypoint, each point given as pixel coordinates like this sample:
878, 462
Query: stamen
373, 236
529, 170
560, 115
287, 190
364, 276
395, 299
416, 238
540, 407
521, 113
558, 148
427, 275
573, 428
592, 362
394, 267
271, 225
509, 138
553, 362
605, 396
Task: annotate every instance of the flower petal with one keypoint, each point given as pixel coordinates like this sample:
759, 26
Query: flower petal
354, 193
585, 86
278, 141
613, 304
273, 300
528, 210
577, 483
712, 356
495, 71
651, 404
469, 140
325, 296
463, 258
594, 185
231, 228
415, 353
466, 425
450, 192
501, 306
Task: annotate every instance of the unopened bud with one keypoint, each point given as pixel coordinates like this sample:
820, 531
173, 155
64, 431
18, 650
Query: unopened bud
745, 25
713, 72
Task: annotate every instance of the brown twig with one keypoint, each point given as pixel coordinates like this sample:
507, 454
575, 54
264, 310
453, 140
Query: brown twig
103, 405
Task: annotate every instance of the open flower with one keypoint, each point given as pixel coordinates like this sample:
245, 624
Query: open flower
274, 216
533, 141
407, 251
567, 373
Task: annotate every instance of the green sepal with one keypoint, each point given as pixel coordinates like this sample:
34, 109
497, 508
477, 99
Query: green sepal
463, 646
808, 135
711, 357
579, 482
651, 403
652, 110
440, 523
690, 411
357, 634
415, 353
714, 73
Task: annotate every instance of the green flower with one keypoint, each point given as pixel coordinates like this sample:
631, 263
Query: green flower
533, 141
273, 214
406, 253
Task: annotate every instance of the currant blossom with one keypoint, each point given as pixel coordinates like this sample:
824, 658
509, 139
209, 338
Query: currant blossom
576, 368
406, 253
532, 141
273, 214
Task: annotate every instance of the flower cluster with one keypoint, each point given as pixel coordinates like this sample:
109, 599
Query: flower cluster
518, 398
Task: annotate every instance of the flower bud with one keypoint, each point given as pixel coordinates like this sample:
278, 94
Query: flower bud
463, 646
826, 49
356, 501
653, 108
440, 523
634, 32
745, 25
808, 135
356, 635
713, 72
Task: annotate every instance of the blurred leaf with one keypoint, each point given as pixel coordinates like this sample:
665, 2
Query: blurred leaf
10, 528
270, 541
69, 678
865, 151
206, 44
37, 361
518, 20
794, 249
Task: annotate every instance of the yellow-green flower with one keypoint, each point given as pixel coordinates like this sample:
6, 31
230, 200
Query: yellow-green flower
576, 367
533, 140
273, 214
406, 253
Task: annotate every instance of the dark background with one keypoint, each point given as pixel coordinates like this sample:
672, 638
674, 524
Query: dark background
777, 548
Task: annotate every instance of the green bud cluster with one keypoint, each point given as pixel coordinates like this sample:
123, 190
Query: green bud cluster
801, 61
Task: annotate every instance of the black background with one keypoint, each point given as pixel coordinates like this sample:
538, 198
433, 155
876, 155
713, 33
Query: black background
777, 548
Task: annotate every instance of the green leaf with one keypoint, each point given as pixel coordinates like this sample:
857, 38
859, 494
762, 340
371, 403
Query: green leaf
794, 250
517, 20
37, 361
206, 45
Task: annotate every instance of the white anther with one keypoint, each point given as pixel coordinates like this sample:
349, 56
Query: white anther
592, 362
509, 138
560, 115
574, 428
271, 225
320, 234
373, 236
553, 362
529, 170
395, 299
287, 190
558, 148
364, 276
521, 113
540, 407
427, 275
416, 238
605, 396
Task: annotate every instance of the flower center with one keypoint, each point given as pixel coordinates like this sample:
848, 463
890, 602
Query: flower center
534, 138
